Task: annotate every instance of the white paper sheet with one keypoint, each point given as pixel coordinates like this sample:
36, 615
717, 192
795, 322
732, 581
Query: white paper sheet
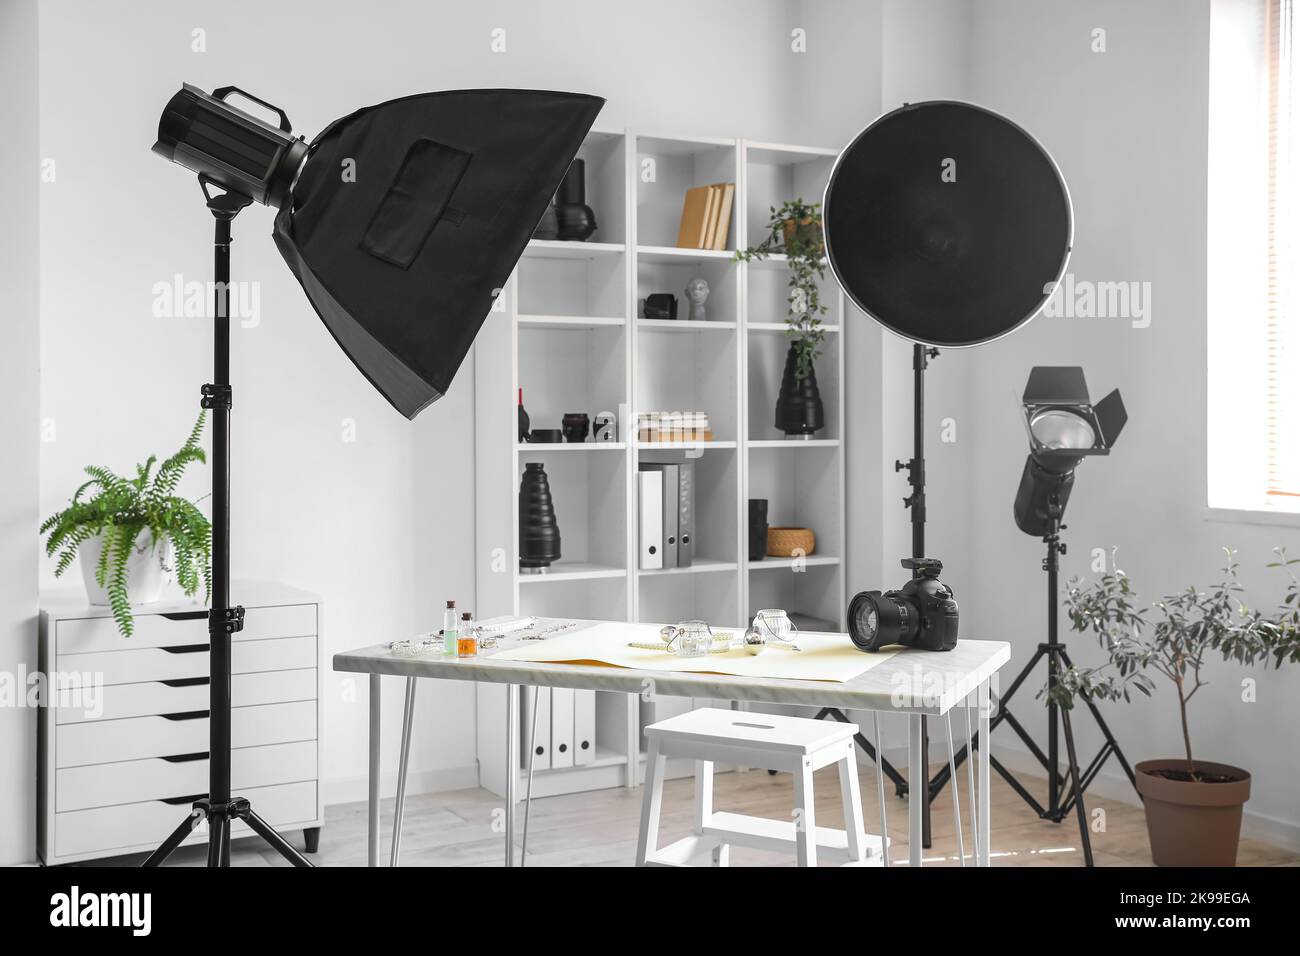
825, 657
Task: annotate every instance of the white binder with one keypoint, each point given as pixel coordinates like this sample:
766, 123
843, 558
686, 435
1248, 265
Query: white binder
541, 743
650, 506
561, 726
584, 726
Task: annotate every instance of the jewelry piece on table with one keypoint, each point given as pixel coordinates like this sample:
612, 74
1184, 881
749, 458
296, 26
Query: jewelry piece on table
415, 647
647, 646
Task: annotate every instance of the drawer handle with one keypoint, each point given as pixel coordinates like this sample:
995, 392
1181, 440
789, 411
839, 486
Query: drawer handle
185, 615
184, 681
176, 801
186, 758
185, 715
185, 649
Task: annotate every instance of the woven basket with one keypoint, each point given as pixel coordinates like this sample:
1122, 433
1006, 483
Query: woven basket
785, 542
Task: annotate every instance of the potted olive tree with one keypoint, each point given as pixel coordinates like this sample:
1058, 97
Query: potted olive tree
1193, 806
129, 531
795, 230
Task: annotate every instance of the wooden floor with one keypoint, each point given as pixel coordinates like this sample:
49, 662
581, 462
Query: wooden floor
463, 828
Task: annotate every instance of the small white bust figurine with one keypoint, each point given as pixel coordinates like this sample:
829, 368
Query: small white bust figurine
697, 293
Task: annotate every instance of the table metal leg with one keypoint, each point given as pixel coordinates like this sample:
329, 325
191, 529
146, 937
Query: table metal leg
984, 758
372, 836
880, 789
403, 764
512, 767
917, 787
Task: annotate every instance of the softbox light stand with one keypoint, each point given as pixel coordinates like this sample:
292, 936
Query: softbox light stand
219, 809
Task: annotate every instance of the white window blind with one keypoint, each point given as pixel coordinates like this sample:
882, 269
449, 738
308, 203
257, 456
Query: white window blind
1282, 345
1253, 293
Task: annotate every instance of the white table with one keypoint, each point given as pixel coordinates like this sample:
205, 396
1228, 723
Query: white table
916, 683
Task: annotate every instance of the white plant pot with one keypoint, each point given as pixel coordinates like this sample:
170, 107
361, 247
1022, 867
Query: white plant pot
144, 568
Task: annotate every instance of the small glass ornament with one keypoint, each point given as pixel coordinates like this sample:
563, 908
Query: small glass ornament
689, 638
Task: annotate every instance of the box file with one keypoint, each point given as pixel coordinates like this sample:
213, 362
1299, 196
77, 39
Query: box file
541, 742
561, 727
584, 727
650, 507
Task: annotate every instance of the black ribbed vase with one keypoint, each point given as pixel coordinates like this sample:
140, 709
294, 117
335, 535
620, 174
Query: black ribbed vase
539, 535
799, 411
574, 219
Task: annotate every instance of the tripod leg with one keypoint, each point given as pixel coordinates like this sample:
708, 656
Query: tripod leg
1078, 791
218, 827
1110, 738
159, 856
278, 843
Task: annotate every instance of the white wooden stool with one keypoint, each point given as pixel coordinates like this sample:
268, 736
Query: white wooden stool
770, 741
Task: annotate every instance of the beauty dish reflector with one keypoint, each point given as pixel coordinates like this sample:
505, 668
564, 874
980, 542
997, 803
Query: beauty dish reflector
947, 223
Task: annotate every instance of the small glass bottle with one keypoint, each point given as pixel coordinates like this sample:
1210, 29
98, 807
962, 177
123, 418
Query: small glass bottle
467, 637
449, 630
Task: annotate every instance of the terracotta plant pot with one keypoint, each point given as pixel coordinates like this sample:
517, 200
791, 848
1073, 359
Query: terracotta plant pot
1193, 823
790, 227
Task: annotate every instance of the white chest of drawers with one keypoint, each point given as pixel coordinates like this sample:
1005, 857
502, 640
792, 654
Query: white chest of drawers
123, 723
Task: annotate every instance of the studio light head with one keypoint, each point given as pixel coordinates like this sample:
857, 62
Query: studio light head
235, 150
1064, 427
401, 221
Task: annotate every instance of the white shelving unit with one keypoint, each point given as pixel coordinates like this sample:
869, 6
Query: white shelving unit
567, 331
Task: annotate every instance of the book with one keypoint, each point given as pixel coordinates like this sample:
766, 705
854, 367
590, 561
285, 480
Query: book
724, 215
711, 225
695, 218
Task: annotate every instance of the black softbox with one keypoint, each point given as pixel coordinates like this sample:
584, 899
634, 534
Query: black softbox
407, 218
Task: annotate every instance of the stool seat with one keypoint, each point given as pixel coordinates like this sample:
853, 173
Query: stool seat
798, 745
773, 732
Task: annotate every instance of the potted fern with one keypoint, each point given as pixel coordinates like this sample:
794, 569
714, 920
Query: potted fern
1193, 806
795, 229
129, 531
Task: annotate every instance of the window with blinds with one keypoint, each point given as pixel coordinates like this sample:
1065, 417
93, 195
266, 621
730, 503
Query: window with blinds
1253, 294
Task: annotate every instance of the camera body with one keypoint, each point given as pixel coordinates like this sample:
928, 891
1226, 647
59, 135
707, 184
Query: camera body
922, 613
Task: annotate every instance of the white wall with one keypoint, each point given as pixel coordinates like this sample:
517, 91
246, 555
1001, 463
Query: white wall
379, 525
19, 460
1129, 129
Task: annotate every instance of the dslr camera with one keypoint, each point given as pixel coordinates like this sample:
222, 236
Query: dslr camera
922, 613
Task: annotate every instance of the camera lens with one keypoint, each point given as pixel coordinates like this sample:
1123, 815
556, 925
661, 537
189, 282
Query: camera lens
877, 620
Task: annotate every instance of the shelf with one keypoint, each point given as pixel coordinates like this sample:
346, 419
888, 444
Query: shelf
681, 145
782, 154
570, 321
675, 254
786, 564
684, 325
571, 446
700, 566
571, 571
778, 259
560, 249
682, 445
795, 443
781, 327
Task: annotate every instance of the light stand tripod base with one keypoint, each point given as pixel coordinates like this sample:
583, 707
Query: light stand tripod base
219, 808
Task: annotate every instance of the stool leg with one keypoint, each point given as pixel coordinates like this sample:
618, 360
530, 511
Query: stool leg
806, 824
851, 799
704, 805
648, 839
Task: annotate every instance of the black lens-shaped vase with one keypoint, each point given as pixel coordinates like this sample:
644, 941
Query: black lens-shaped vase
799, 411
574, 219
539, 534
